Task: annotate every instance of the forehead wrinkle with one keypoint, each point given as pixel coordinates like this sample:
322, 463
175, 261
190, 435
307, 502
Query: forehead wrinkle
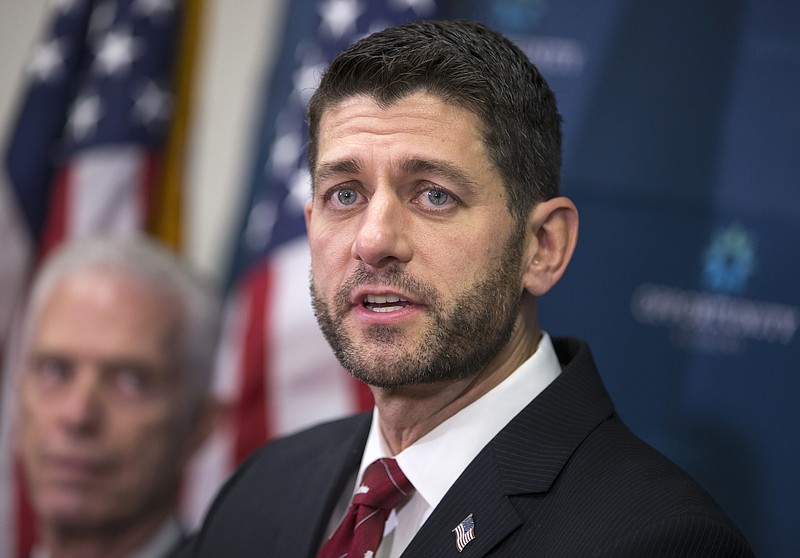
410, 166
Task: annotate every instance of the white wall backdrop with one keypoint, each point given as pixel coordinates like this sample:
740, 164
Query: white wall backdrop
238, 40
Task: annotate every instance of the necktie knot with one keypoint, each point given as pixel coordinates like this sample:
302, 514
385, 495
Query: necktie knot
383, 487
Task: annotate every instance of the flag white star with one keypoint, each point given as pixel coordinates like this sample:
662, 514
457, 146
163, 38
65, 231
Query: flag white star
375, 26
260, 223
420, 7
299, 190
84, 116
285, 150
117, 51
306, 80
153, 8
47, 61
151, 105
339, 16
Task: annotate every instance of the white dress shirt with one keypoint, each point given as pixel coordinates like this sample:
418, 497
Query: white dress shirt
434, 462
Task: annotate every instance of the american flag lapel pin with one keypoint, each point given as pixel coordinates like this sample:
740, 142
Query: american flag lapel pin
465, 532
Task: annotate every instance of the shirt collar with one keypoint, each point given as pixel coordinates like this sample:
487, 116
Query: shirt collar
434, 462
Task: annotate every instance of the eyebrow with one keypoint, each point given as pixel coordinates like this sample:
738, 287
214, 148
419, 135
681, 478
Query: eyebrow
406, 166
38, 356
343, 166
440, 168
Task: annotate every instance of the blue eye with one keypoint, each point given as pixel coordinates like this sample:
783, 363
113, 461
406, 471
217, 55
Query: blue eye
346, 196
438, 197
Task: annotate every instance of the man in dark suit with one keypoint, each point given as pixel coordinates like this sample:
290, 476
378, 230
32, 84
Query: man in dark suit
435, 222
118, 346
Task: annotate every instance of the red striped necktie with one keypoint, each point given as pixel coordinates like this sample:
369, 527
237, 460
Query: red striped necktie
383, 487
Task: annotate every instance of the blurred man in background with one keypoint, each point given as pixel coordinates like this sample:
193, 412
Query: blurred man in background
117, 354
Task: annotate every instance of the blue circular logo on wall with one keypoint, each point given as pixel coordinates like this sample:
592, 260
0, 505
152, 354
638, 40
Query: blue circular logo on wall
729, 260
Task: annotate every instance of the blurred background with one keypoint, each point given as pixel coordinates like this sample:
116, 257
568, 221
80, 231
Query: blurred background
682, 152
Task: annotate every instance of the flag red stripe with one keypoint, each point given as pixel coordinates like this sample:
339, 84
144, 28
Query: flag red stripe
56, 223
149, 191
251, 419
26, 526
363, 396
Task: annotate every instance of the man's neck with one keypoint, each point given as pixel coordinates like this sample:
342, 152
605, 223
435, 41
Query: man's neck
408, 413
105, 543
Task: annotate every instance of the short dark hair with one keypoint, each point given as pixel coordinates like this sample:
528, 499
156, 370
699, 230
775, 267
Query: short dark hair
469, 65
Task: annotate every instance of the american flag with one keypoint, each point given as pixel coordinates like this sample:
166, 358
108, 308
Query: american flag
88, 145
465, 532
275, 371
95, 149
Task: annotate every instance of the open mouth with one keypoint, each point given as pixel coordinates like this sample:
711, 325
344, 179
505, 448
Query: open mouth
385, 302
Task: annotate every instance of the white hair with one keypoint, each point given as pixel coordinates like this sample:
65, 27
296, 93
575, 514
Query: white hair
148, 261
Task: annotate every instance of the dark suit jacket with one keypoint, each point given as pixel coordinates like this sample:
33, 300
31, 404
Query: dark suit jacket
563, 478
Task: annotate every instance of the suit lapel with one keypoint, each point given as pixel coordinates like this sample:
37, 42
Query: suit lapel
326, 474
479, 492
526, 457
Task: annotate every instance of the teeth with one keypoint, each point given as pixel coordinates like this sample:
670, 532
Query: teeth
375, 302
385, 308
383, 298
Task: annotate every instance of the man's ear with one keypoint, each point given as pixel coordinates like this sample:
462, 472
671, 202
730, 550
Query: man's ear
551, 233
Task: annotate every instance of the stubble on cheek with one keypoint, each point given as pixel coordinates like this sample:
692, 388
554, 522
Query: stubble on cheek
452, 342
375, 354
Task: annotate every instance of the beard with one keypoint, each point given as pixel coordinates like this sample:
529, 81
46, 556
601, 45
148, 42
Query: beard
461, 337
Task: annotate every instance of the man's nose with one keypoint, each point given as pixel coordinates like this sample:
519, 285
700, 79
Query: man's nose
383, 233
81, 407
